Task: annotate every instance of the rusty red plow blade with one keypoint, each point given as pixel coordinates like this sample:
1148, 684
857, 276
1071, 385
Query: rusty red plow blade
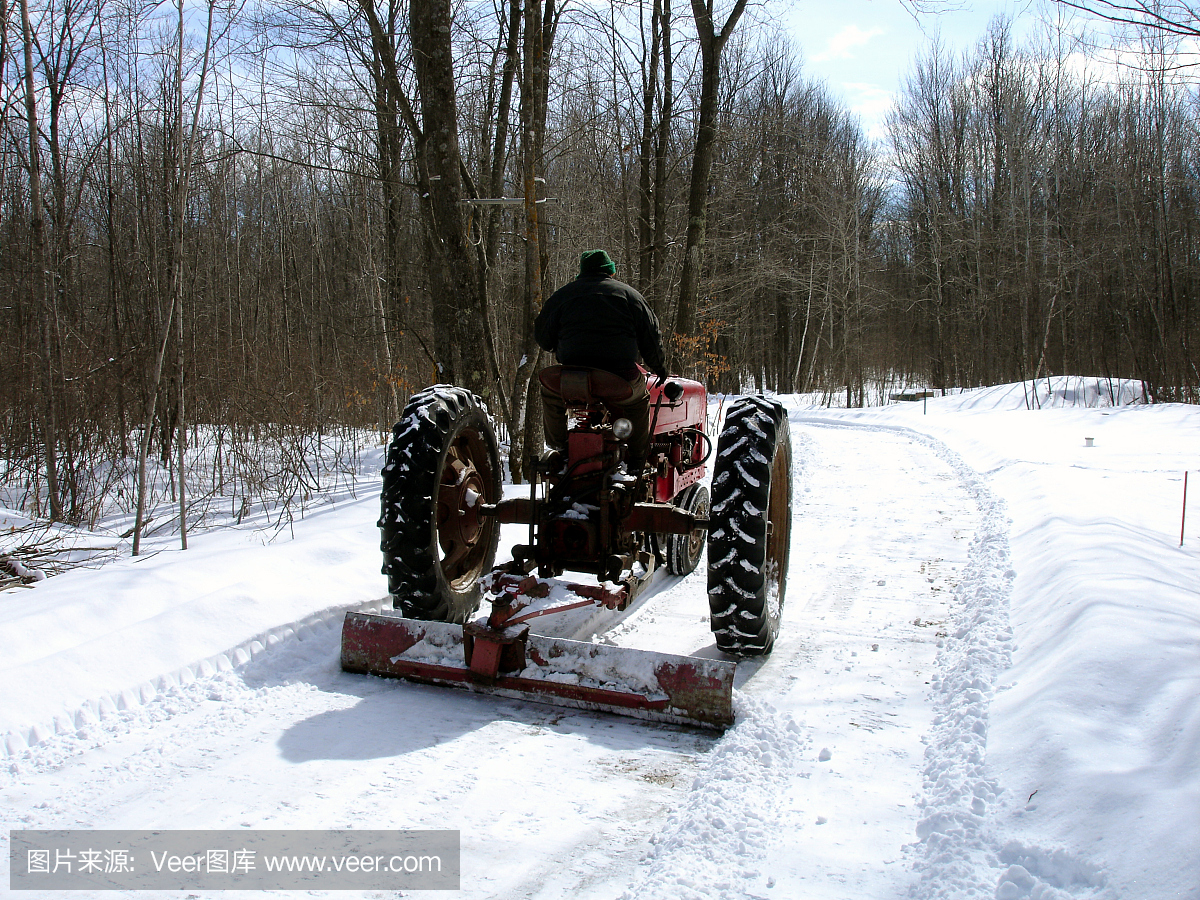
511, 662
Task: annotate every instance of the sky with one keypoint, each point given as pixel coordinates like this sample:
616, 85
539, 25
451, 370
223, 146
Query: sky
863, 49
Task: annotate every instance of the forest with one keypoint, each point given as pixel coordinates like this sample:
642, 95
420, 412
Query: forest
228, 225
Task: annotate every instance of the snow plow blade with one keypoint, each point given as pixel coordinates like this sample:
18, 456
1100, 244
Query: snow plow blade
658, 687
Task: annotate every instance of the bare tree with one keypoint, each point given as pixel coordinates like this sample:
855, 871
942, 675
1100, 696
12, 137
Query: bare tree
185, 154
541, 24
42, 294
712, 46
1172, 17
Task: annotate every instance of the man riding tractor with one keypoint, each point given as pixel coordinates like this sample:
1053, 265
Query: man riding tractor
602, 512
599, 322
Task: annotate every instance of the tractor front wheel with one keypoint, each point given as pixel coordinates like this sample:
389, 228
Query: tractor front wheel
442, 464
683, 550
750, 527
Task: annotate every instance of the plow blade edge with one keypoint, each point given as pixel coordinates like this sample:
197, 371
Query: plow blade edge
659, 687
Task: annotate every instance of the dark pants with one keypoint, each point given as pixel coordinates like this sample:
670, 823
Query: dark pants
636, 409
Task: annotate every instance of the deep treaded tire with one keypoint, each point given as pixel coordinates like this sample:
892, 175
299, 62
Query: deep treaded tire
443, 462
747, 560
684, 550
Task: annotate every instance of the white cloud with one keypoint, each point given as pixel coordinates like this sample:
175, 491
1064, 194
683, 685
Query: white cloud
871, 103
842, 44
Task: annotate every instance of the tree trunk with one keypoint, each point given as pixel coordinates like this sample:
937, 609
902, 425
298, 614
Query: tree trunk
42, 296
712, 45
645, 225
538, 38
659, 288
457, 304
183, 171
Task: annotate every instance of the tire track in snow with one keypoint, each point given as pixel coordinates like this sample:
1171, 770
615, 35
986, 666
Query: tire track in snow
750, 826
718, 843
958, 853
713, 845
881, 552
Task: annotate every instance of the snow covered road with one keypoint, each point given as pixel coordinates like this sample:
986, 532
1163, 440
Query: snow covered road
880, 558
960, 703
874, 566
814, 792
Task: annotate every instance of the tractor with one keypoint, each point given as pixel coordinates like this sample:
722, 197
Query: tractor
588, 513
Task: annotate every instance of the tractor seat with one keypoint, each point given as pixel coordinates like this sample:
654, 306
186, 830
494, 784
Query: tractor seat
583, 386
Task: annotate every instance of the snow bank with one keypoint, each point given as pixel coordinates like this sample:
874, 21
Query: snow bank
1098, 732
1088, 774
90, 642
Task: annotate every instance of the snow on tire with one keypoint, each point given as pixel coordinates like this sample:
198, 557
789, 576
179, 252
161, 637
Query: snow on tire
442, 463
750, 526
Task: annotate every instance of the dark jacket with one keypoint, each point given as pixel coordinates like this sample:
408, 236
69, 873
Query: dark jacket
598, 321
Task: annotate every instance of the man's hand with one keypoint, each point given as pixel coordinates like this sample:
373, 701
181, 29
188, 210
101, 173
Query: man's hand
661, 373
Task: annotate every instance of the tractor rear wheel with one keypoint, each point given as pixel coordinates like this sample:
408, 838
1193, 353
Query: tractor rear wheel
683, 550
750, 527
442, 463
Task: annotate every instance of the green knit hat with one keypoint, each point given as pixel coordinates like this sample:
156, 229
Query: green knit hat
593, 262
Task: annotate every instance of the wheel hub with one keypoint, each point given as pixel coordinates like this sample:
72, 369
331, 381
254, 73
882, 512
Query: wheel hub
461, 529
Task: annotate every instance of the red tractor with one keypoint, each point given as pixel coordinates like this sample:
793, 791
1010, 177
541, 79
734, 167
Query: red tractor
442, 508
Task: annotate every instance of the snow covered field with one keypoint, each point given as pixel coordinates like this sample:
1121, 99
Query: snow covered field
987, 684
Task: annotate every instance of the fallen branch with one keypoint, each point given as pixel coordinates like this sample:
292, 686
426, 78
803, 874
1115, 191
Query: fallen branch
35, 554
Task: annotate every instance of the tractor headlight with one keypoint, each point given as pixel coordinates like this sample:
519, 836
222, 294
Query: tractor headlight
622, 429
